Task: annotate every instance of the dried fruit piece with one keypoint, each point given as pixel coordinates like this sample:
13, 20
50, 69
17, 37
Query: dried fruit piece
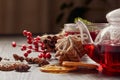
57, 68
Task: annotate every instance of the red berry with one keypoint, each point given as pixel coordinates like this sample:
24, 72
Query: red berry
35, 43
36, 49
38, 38
66, 34
48, 55
30, 47
23, 47
14, 44
29, 41
26, 54
44, 51
29, 37
25, 32
40, 55
29, 34
36, 46
44, 55
29, 51
42, 46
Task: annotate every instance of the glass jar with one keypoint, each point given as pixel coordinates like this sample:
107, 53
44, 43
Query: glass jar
71, 29
95, 28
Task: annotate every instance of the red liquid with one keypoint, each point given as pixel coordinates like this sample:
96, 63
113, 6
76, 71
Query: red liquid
108, 56
94, 34
71, 33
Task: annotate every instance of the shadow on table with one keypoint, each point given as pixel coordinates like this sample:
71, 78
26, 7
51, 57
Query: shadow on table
96, 74
86, 71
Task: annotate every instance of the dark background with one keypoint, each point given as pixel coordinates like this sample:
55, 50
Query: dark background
49, 16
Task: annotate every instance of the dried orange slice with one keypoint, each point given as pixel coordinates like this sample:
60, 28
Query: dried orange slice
57, 68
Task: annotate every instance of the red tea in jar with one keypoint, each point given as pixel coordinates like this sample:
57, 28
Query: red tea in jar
71, 29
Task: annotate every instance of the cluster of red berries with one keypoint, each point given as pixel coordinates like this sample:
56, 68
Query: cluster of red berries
34, 45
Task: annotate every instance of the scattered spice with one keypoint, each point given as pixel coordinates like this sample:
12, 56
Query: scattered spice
22, 68
17, 57
43, 62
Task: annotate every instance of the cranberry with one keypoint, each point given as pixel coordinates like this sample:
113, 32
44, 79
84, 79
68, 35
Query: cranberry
23, 47
26, 54
66, 34
48, 55
29, 51
30, 47
38, 38
36, 46
29, 41
14, 44
35, 43
44, 55
36, 49
29, 34
42, 46
25, 32
40, 55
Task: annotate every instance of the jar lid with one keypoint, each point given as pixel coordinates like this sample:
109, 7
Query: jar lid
113, 16
71, 27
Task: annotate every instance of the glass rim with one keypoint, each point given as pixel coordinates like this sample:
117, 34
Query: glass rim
100, 24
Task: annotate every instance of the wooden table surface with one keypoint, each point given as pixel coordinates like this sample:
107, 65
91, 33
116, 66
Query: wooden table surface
34, 73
